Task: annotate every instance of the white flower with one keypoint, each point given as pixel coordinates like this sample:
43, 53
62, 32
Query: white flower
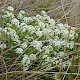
11, 32
41, 24
27, 19
25, 57
8, 24
50, 47
57, 31
22, 24
72, 34
47, 18
23, 28
38, 33
10, 8
20, 16
61, 26
19, 50
55, 61
25, 60
47, 49
38, 17
22, 12
52, 22
63, 42
45, 31
61, 53
64, 33
44, 56
2, 46
15, 39
70, 45
31, 29
43, 13
50, 32
37, 45
9, 14
24, 45
66, 25
57, 43
48, 59
32, 57
55, 53
4, 30
15, 22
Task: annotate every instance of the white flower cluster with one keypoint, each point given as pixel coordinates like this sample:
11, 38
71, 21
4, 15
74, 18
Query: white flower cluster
12, 33
27, 60
20, 15
19, 50
37, 45
9, 12
40, 33
2, 46
15, 21
10, 8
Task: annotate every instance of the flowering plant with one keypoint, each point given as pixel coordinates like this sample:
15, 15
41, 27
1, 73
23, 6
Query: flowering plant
37, 40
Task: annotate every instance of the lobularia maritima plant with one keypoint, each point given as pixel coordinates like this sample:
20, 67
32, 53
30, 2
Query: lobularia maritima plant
39, 39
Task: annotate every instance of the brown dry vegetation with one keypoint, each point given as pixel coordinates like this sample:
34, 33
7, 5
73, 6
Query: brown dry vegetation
66, 11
